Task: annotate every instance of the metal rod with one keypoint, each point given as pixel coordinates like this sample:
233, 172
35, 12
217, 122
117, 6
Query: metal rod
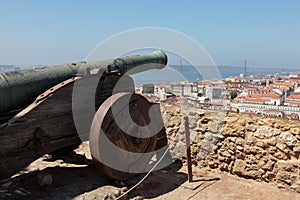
188, 149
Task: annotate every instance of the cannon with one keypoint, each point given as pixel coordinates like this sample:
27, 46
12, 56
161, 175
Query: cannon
36, 111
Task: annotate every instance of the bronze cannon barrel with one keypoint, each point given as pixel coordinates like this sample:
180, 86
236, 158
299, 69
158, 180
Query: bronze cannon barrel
20, 88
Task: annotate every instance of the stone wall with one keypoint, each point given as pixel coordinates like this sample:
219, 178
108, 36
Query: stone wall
250, 146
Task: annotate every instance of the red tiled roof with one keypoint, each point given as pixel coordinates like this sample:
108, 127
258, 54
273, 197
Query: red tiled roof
281, 89
295, 93
267, 95
287, 84
272, 111
292, 102
257, 100
293, 97
292, 115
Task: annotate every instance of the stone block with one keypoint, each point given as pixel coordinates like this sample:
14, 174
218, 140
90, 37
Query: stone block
239, 167
288, 138
251, 128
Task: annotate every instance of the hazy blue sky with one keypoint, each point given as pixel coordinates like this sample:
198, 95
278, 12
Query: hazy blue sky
50, 32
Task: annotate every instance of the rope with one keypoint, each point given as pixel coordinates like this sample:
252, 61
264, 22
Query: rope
151, 170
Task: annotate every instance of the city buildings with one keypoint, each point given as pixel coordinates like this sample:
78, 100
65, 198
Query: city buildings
269, 96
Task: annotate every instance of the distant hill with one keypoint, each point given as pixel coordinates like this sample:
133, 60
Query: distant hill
226, 71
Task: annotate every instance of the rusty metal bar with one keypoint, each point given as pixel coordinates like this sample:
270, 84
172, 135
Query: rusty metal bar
188, 149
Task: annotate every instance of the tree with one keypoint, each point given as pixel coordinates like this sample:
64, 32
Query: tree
233, 95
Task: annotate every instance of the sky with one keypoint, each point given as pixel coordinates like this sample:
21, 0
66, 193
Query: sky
267, 33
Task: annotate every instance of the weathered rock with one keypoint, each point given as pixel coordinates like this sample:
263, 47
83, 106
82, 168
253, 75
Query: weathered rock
218, 136
269, 176
116, 193
272, 150
288, 165
232, 139
204, 120
295, 186
277, 125
296, 149
295, 131
263, 132
255, 174
251, 128
269, 134
240, 141
260, 122
283, 177
249, 140
221, 158
285, 128
240, 148
233, 131
276, 132
281, 146
260, 144
239, 167
271, 142
280, 156
268, 166
213, 164
225, 154
288, 138
123, 190
240, 155
192, 113
224, 167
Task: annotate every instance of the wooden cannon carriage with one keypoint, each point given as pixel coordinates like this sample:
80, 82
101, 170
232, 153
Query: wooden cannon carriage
37, 112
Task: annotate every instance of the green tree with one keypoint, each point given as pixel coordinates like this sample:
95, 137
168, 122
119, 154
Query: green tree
233, 95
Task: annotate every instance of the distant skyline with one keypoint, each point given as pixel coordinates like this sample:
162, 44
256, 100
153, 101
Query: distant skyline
266, 33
